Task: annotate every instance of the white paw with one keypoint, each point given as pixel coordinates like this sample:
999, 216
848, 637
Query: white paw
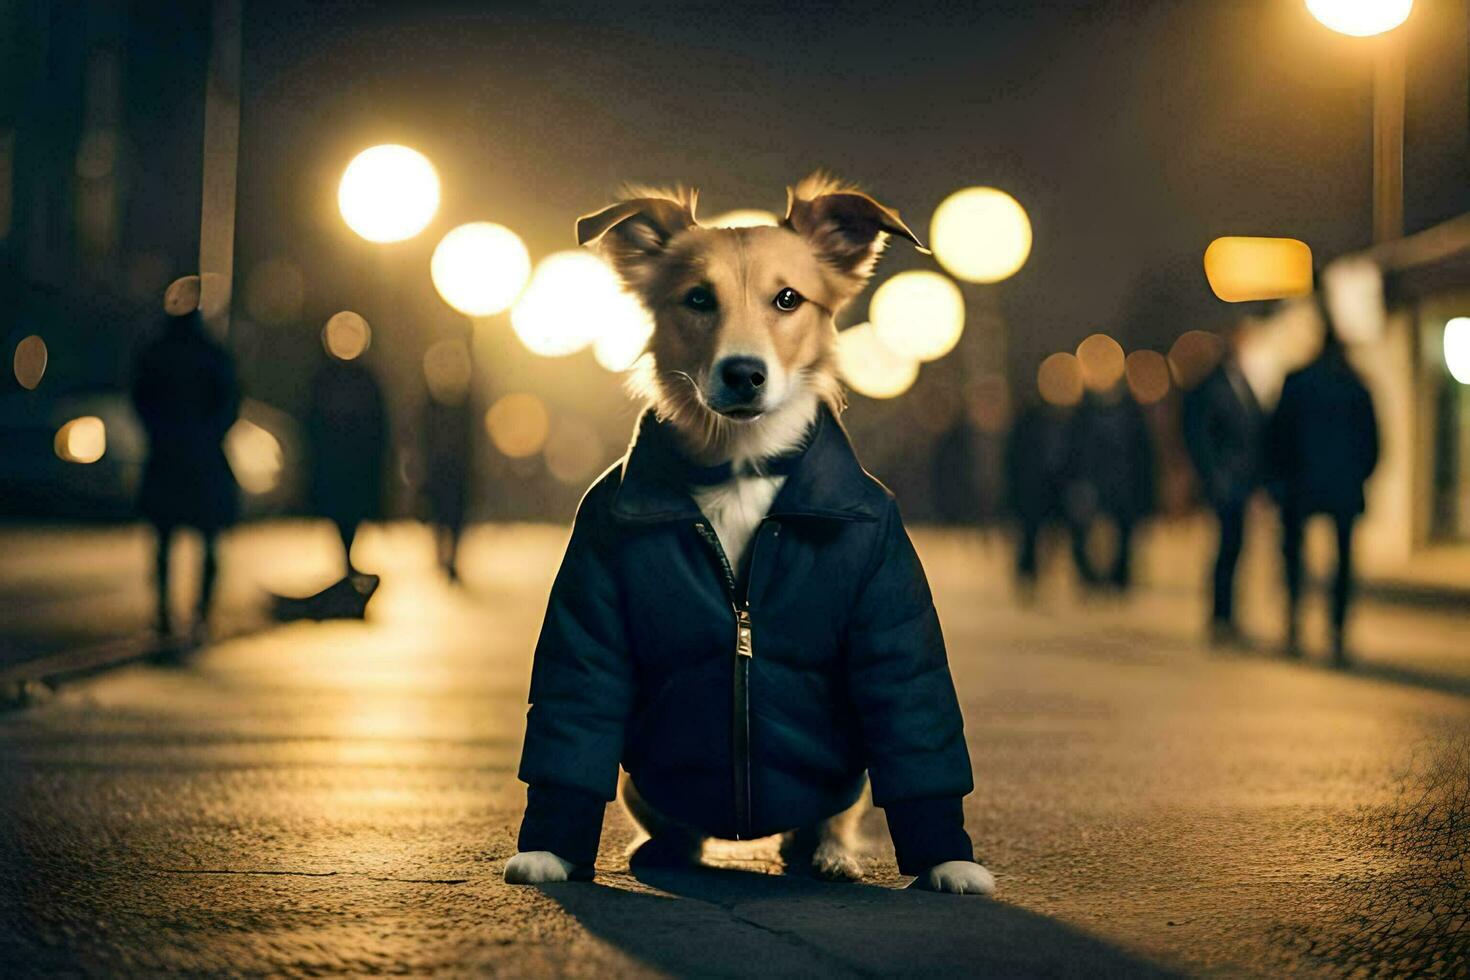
833, 862
536, 867
957, 878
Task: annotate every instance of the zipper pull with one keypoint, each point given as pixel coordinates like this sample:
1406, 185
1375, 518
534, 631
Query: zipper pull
743, 639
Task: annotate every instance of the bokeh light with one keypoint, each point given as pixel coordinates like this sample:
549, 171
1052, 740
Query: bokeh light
869, 367
626, 328
518, 425
919, 314
1457, 348
275, 291
1243, 269
980, 234
1059, 380
1195, 355
574, 451
388, 193
1101, 359
1361, 18
989, 404
255, 457
480, 268
346, 335
1148, 376
29, 362
743, 218
447, 371
573, 299
182, 296
82, 440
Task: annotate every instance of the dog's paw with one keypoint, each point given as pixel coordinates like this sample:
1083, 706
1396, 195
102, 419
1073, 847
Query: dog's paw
537, 867
831, 861
957, 878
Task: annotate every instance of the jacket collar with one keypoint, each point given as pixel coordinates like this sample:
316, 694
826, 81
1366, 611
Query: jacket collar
826, 481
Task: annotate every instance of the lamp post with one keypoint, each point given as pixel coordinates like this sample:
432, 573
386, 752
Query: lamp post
1369, 18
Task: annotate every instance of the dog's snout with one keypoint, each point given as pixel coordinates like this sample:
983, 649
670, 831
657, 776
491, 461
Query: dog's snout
743, 376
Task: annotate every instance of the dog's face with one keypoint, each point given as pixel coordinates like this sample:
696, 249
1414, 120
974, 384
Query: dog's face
743, 317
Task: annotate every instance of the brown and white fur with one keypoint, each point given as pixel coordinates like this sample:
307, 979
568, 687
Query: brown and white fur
739, 366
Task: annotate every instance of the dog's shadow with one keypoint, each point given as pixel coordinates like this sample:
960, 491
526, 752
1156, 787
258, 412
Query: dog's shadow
715, 922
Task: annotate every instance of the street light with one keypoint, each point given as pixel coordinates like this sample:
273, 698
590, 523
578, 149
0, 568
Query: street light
869, 367
1365, 18
388, 193
1457, 348
980, 234
1361, 18
919, 314
480, 268
573, 299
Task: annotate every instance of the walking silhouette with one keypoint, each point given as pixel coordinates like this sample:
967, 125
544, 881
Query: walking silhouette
186, 393
1323, 445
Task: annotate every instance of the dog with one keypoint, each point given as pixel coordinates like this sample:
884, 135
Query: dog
837, 676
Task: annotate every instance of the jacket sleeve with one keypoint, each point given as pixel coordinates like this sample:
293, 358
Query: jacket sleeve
899, 681
582, 688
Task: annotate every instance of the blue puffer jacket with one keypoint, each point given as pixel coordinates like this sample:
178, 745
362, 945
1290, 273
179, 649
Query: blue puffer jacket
748, 707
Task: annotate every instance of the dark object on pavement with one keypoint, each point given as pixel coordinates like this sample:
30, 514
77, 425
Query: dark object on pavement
448, 429
744, 708
187, 396
347, 598
1323, 445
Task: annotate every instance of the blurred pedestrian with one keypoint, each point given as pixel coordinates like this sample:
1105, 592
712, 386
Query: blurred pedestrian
447, 431
1323, 446
1036, 461
347, 426
1224, 431
186, 394
1112, 478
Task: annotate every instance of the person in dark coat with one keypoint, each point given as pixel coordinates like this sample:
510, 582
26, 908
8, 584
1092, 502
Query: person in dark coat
186, 394
447, 432
347, 425
1036, 459
1323, 445
1112, 478
1224, 431
743, 708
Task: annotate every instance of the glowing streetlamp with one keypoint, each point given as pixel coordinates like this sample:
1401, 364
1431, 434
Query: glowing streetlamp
480, 268
1241, 268
574, 298
743, 218
980, 234
919, 314
346, 335
82, 440
1361, 18
388, 193
1457, 348
869, 367
1366, 18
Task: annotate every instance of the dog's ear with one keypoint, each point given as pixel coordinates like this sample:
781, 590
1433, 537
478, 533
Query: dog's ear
633, 232
846, 228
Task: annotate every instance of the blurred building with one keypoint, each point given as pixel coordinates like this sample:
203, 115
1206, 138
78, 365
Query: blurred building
103, 112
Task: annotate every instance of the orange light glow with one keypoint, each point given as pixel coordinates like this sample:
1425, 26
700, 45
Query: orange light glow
1059, 380
1361, 18
518, 425
29, 362
1148, 376
1194, 355
82, 440
919, 314
743, 218
1100, 358
346, 335
1245, 269
182, 296
480, 268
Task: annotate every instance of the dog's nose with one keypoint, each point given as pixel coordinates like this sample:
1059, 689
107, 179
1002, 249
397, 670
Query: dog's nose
743, 376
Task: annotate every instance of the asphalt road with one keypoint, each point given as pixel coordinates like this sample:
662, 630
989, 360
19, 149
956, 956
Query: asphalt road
326, 798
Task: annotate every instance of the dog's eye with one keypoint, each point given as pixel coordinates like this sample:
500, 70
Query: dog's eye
700, 298
787, 300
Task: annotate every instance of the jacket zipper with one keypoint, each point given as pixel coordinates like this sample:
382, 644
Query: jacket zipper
740, 685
